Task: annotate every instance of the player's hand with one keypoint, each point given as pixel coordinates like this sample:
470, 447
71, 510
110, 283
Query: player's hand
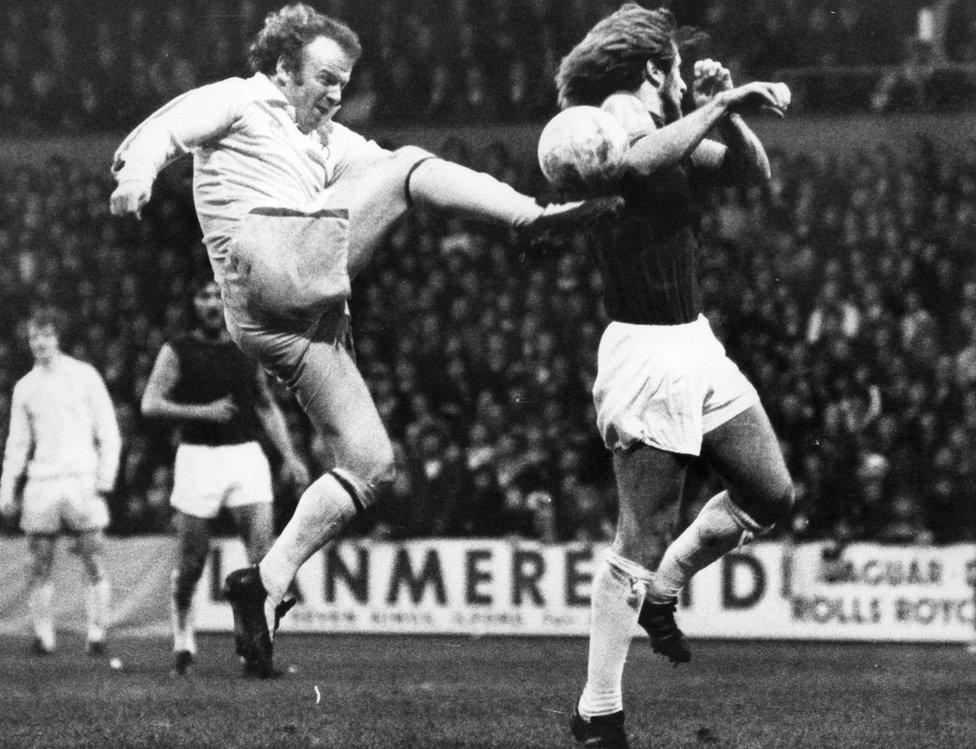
220, 411
129, 198
758, 95
710, 79
294, 472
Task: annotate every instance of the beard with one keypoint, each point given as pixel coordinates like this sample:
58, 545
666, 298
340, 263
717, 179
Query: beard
671, 109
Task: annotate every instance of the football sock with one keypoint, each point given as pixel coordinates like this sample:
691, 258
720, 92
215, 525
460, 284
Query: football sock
444, 184
97, 596
40, 604
182, 616
719, 528
322, 512
618, 593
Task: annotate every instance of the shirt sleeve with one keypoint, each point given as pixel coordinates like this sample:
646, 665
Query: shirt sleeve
17, 451
108, 442
185, 123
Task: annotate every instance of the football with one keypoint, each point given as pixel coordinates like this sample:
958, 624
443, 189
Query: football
582, 150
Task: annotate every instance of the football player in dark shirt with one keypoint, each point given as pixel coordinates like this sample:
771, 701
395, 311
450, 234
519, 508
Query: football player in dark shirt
222, 401
665, 391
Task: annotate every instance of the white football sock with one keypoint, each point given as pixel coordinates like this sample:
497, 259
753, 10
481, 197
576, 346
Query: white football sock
97, 597
444, 184
618, 593
40, 604
322, 512
182, 620
719, 528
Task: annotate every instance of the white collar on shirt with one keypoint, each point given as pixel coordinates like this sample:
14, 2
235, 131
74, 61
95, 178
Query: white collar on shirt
271, 93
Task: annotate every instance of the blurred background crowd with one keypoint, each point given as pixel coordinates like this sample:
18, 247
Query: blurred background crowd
846, 290
102, 65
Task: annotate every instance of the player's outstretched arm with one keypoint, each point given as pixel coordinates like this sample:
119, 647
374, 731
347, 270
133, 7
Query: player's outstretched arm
293, 468
664, 148
670, 144
171, 131
157, 402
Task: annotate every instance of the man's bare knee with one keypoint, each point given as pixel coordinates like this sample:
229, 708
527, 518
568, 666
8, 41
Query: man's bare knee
770, 512
381, 480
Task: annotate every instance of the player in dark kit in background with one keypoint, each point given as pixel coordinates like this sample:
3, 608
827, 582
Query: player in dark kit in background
665, 390
221, 399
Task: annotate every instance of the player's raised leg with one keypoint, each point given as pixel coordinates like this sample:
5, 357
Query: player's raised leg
328, 386
446, 185
745, 452
98, 591
40, 597
649, 483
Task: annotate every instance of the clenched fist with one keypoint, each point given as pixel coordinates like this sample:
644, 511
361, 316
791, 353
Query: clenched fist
129, 198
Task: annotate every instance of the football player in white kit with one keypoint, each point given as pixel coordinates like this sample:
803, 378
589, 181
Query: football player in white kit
292, 206
64, 440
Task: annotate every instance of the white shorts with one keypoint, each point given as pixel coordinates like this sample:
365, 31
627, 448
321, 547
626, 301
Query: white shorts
666, 386
207, 478
65, 503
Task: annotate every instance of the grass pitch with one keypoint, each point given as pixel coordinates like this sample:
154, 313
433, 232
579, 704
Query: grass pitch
491, 692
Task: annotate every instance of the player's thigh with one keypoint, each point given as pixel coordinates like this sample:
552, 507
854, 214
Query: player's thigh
374, 190
90, 546
649, 484
307, 354
746, 453
255, 526
82, 508
333, 393
41, 512
40, 549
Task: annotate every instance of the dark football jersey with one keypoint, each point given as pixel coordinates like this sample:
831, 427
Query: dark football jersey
210, 370
649, 258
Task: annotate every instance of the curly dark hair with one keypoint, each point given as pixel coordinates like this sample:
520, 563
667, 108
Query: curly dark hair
288, 30
613, 54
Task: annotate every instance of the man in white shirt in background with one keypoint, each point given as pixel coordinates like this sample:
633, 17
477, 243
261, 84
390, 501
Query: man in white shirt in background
292, 206
63, 448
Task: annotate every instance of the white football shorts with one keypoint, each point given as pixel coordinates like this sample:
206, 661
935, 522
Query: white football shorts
63, 503
666, 386
208, 477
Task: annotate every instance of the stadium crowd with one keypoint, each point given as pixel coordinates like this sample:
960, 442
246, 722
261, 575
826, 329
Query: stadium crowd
81, 67
846, 291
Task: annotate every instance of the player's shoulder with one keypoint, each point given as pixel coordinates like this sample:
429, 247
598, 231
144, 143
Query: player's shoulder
232, 85
630, 112
236, 92
24, 384
74, 366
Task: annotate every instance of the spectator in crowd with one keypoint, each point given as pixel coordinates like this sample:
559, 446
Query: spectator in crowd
482, 45
505, 347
